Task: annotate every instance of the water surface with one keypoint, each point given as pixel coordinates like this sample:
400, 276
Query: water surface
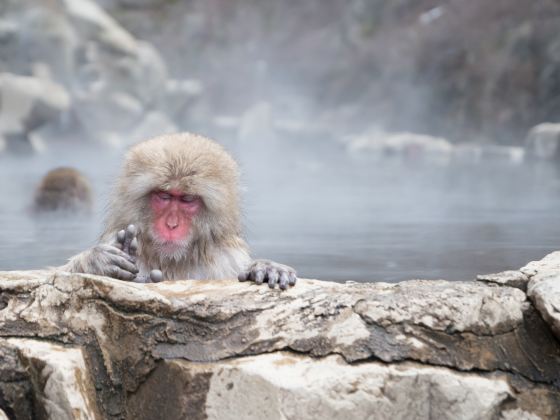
329, 214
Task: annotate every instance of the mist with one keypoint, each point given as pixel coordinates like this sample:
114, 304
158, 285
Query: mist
307, 97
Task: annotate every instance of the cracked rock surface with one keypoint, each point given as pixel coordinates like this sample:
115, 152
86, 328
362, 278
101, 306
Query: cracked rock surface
88, 347
544, 288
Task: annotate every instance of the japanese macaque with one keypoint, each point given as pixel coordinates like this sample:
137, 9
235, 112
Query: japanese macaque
175, 215
63, 189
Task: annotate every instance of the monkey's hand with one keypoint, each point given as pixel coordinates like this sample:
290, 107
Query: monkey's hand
128, 242
272, 272
104, 260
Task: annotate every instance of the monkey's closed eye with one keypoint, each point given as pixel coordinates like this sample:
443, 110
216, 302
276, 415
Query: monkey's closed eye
188, 198
163, 195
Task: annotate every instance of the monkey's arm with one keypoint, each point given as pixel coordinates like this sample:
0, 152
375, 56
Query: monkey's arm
272, 272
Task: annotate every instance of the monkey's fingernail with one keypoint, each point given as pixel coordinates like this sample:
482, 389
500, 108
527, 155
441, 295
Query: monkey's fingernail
271, 283
120, 236
284, 280
131, 230
242, 276
293, 279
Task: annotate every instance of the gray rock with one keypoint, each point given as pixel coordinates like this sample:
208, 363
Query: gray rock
104, 114
110, 76
288, 386
62, 374
16, 388
29, 103
511, 278
191, 348
400, 144
543, 141
544, 288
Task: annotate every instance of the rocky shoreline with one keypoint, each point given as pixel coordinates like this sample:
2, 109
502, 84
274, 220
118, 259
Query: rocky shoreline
77, 346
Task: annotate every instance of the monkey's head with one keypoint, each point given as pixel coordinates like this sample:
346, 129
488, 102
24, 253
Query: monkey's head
177, 189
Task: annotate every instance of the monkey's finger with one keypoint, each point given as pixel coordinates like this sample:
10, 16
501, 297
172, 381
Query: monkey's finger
116, 251
284, 280
120, 274
272, 278
130, 234
243, 276
124, 264
258, 276
156, 276
133, 247
120, 236
293, 278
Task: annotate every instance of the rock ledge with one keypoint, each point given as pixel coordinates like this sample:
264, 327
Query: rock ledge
88, 347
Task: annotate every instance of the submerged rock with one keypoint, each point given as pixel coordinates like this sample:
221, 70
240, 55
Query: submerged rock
224, 349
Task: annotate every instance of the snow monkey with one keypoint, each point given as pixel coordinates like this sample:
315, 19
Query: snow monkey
175, 215
63, 189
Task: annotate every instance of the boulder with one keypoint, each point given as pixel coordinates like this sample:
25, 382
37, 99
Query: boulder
27, 104
411, 145
543, 140
109, 77
512, 278
544, 288
489, 152
94, 347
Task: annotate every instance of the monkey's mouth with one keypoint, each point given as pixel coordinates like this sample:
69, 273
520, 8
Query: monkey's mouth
171, 249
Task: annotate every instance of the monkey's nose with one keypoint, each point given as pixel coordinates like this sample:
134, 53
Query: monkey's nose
172, 223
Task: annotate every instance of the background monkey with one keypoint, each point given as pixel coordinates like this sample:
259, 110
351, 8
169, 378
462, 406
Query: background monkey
63, 189
175, 208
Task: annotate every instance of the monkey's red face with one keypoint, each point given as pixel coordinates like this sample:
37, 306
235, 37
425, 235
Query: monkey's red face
173, 212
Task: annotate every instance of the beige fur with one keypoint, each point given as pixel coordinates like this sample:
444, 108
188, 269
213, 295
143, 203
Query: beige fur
195, 165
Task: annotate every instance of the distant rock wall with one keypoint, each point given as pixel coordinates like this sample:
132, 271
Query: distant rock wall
87, 347
68, 71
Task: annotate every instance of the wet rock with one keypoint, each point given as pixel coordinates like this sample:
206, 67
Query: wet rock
209, 349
